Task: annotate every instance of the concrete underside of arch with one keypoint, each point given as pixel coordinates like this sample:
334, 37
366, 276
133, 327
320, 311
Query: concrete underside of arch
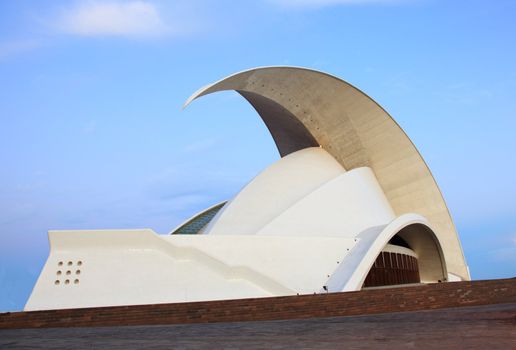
414, 229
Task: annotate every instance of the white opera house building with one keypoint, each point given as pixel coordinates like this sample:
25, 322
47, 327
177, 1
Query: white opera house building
351, 204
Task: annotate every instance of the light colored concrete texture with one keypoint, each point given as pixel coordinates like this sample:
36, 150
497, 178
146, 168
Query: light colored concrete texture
350, 275
348, 182
301, 264
125, 267
274, 190
342, 207
355, 130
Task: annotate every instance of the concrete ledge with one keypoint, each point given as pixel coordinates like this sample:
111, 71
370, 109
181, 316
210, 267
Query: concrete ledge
376, 301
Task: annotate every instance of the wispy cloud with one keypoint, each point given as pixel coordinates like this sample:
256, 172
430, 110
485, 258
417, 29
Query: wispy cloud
113, 18
507, 253
14, 47
89, 127
326, 3
202, 145
191, 179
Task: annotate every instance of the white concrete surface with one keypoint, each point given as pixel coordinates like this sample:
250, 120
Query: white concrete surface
355, 130
274, 190
313, 222
342, 207
117, 267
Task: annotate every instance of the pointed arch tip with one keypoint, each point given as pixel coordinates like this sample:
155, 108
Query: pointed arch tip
196, 94
204, 90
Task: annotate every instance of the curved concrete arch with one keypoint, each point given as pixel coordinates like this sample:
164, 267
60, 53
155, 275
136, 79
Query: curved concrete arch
303, 107
414, 228
423, 241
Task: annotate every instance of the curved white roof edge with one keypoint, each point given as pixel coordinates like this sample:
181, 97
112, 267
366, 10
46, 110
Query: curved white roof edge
203, 90
274, 190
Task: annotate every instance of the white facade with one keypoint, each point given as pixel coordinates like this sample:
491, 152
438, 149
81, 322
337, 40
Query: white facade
306, 224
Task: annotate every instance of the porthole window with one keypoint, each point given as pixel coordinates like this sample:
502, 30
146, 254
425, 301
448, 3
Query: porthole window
57, 282
76, 281
67, 282
59, 273
78, 272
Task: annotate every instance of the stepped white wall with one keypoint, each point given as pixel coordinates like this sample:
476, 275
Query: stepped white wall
304, 225
140, 267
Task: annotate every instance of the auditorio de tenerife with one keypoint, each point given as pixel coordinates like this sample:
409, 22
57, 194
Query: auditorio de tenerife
350, 204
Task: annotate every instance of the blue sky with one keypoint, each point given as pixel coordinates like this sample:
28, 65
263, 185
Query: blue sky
93, 135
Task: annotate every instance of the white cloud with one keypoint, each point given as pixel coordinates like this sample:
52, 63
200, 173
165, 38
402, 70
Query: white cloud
325, 3
113, 18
